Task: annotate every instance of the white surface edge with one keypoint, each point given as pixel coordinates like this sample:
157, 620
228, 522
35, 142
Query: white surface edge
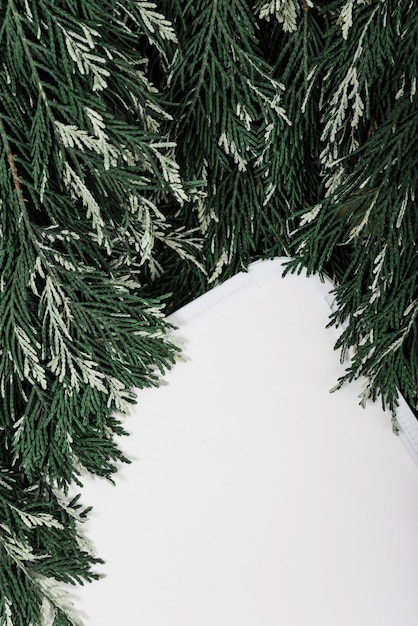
408, 427
260, 273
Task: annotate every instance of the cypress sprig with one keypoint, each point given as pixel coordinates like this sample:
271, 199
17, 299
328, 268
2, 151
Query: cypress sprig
85, 168
150, 150
364, 230
42, 547
229, 115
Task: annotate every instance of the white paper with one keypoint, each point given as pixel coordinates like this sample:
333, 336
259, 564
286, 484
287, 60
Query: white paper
256, 497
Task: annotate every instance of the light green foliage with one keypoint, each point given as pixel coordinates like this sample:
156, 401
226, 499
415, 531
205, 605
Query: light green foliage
284, 11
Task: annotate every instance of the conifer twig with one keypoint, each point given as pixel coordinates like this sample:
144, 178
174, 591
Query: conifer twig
12, 164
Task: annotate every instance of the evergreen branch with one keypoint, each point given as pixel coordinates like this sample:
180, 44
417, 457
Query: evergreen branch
284, 11
359, 231
210, 31
41, 546
280, 128
68, 362
15, 176
226, 127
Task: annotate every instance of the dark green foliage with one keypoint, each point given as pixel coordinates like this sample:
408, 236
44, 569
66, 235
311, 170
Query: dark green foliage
229, 119
40, 547
364, 230
83, 167
149, 151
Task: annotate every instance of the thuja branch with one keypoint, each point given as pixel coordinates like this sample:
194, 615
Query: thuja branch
29, 56
205, 58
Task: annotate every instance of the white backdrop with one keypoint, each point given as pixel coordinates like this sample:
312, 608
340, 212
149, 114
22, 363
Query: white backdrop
256, 497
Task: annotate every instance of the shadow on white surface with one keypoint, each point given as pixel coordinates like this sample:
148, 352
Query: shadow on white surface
256, 497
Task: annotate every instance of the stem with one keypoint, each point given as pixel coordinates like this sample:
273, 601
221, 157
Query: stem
17, 185
13, 169
305, 44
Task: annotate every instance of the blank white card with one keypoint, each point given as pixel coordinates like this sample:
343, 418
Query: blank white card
256, 497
